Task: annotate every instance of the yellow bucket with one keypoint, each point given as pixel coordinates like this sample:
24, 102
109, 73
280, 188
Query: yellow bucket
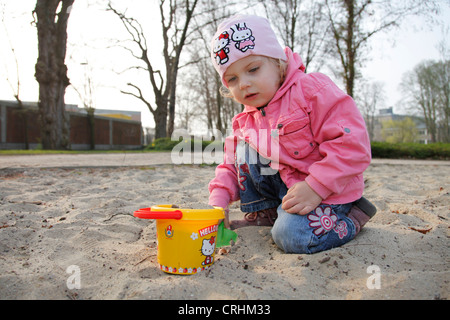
186, 237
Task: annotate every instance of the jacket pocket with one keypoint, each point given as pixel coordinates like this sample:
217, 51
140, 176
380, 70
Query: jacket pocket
296, 137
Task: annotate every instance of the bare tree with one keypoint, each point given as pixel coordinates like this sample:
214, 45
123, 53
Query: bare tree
444, 80
215, 110
86, 96
51, 72
370, 97
202, 82
175, 19
302, 25
354, 23
424, 88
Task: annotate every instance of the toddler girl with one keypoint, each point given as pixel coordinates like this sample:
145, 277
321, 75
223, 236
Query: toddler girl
298, 149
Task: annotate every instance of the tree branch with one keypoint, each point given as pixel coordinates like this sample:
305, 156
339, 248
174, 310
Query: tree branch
135, 30
139, 96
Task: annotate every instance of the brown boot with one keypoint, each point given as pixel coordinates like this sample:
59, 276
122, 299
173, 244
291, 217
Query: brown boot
260, 218
361, 212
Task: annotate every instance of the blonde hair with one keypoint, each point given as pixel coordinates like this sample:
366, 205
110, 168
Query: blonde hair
281, 64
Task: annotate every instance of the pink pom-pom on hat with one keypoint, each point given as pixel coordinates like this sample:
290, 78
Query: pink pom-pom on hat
241, 36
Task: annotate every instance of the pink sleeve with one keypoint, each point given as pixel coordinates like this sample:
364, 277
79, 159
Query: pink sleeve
224, 187
339, 129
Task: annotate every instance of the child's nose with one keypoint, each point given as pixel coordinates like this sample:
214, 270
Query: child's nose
244, 83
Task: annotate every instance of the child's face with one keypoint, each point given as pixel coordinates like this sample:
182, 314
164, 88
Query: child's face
253, 80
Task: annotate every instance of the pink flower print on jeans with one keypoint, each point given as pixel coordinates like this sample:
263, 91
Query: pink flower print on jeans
322, 220
241, 178
341, 229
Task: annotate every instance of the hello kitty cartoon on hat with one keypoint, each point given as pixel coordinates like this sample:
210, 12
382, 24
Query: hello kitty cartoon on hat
220, 49
241, 36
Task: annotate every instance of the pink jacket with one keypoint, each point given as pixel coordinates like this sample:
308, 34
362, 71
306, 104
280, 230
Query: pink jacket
311, 131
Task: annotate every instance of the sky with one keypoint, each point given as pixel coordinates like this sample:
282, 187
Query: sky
90, 54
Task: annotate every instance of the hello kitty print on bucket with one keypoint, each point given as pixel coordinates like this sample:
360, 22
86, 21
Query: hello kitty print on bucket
186, 238
208, 246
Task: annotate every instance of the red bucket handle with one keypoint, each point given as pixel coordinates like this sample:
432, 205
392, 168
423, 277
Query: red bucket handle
147, 213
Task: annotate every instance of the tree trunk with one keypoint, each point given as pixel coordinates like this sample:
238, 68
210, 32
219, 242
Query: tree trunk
160, 116
173, 63
219, 101
172, 99
350, 50
51, 72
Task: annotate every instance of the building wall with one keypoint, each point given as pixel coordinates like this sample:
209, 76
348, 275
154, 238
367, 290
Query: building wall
12, 125
109, 133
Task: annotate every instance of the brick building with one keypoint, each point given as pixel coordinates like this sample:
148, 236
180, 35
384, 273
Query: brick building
112, 130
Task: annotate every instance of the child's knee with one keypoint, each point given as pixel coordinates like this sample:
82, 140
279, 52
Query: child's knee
288, 234
299, 234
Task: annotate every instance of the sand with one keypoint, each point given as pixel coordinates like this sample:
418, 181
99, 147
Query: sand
74, 216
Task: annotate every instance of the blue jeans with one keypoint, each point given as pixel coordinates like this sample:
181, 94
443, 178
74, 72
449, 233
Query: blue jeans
261, 188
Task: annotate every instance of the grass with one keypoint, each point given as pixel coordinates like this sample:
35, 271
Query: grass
439, 151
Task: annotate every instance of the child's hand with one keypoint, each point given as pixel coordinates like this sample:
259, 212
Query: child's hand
300, 199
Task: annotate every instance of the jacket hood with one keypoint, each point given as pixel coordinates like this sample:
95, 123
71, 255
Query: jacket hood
295, 65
